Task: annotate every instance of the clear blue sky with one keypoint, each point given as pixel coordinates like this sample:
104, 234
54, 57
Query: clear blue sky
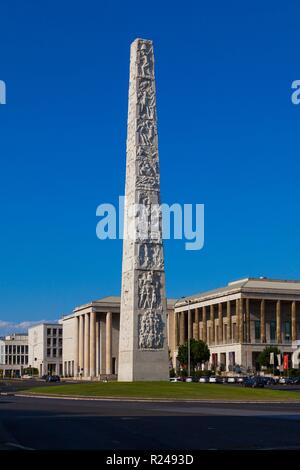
228, 135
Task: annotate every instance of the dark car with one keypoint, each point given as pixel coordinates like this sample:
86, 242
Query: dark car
269, 381
296, 380
254, 382
53, 378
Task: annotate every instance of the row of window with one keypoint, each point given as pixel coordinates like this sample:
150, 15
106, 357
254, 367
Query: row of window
54, 331
286, 330
12, 360
54, 342
13, 349
55, 352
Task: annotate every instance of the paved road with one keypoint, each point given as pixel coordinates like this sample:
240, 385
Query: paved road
41, 423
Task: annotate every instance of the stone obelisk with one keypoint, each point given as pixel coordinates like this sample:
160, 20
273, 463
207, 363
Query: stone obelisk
143, 348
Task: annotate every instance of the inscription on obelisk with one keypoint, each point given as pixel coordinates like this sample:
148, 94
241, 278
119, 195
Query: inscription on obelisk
143, 348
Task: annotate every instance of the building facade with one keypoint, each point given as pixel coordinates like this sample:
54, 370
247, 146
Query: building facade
91, 339
238, 321
13, 354
45, 344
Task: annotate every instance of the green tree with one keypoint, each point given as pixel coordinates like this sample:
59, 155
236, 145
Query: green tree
199, 353
264, 357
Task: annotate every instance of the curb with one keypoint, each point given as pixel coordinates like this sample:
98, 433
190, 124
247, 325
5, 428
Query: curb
157, 400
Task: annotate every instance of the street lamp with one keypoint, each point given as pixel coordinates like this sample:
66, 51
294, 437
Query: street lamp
189, 335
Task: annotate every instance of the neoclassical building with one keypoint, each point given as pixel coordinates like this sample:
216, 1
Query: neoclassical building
237, 321
91, 338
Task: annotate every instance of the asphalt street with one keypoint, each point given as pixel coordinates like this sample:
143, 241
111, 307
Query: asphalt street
42, 423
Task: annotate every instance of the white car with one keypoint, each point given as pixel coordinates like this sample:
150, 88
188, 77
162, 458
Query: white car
189, 379
212, 380
203, 380
231, 380
174, 379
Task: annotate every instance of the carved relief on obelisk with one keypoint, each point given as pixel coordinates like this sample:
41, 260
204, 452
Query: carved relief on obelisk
143, 349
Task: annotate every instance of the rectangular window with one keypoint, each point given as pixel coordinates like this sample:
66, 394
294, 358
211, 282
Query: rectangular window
54, 331
272, 330
60, 331
48, 331
26, 349
48, 352
48, 341
287, 330
234, 332
257, 329
54, 342
54, 352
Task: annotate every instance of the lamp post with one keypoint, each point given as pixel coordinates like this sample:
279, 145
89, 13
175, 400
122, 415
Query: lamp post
188, 302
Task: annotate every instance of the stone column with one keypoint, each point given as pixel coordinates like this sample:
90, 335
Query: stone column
81, 342
220, 322
204, 325
76, 347
241, 321
176, 329
248, 324
294, 321
93, 344
212, 322
108, 342
278, 322
181, 329
237, 317
197, 324
263, 321
229, 327
97, 348
86, 371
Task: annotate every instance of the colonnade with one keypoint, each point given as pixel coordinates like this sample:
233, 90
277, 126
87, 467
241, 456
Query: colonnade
88, 360
207, 322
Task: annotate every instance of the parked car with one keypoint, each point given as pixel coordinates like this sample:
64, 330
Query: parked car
241, 380
53, 378
27, 376
222, 380
296, 380
214, 379
285, 381
174, 379
254, 382
269, 380
231, 380
204, 379
189, 379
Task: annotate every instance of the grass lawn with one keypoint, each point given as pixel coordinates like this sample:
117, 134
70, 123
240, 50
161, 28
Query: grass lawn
166, 390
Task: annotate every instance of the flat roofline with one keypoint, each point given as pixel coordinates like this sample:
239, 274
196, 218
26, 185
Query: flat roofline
45, 323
